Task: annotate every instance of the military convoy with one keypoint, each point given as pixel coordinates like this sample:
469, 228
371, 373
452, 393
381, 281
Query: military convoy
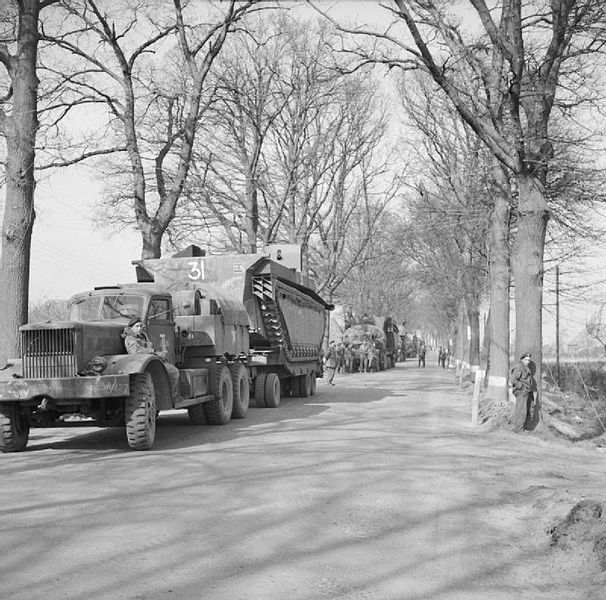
235, 326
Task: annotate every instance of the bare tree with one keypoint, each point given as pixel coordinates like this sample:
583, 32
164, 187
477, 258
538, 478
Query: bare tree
596, 326
379, 281
305, 141
229, 157
154, 91
18, 127
450, 217
529, 59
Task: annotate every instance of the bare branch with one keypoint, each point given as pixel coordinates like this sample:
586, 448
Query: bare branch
81, 157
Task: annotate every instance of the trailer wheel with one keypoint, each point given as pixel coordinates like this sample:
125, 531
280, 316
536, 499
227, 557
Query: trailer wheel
239, 376
140, 412
286, 387
218, 412
260, 390
272, 391
304, 385
14, 428
312, 376
196, 414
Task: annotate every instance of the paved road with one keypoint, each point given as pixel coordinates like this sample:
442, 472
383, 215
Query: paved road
377, 488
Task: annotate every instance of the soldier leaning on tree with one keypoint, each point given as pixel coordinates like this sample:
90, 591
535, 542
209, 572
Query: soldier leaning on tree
524, 387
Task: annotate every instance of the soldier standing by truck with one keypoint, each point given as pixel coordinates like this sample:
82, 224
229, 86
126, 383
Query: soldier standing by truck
332, 362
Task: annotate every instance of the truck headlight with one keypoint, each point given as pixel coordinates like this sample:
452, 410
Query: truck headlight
97, 365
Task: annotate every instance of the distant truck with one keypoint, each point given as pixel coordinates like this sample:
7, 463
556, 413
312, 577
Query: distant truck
233, 325
381, 331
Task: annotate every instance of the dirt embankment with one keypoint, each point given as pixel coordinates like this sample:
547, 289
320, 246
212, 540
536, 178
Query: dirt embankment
567, 418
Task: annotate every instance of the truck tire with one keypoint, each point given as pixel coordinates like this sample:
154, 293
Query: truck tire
218, 411
312, 375
260, 390
304, 385
272, 391
140, 412
239, 377
196, 414
14, 428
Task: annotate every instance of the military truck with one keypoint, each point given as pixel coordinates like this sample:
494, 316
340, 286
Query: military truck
381, 331
234, 326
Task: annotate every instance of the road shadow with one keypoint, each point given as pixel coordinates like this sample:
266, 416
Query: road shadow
173, 430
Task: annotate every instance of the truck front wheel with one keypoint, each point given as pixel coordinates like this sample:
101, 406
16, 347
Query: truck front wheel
14, 428
140, 412
218, 411
239, 376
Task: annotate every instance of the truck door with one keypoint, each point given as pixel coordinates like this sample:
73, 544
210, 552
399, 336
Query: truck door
161, 326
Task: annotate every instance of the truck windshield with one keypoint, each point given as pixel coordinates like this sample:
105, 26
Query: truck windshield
106, 308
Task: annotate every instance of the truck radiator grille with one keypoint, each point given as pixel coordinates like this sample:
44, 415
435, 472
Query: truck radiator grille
48, 353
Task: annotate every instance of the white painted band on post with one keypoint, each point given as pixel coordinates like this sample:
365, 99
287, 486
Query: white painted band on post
474, 368
475, 408
497, 381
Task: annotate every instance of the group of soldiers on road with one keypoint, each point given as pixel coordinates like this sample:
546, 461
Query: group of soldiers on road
364, 357
352, 358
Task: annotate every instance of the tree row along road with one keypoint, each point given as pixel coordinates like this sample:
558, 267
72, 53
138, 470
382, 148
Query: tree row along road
377, 488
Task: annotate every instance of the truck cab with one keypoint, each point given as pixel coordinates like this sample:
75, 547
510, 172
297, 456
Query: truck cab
116, 306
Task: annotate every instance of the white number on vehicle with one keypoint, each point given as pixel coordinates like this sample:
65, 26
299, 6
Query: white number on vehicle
197, 270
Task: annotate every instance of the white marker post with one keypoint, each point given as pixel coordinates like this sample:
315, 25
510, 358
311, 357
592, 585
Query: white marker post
475, 403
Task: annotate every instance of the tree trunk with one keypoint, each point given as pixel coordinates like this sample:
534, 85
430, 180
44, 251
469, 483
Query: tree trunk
473, 317
151, 239
527, 263
20, 131
499, 274
252, 214
485, 346
461, 341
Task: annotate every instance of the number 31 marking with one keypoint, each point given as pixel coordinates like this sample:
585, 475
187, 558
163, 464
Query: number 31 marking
197, 270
